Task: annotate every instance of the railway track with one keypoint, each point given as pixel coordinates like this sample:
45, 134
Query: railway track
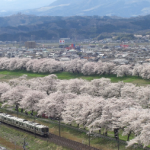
59, 140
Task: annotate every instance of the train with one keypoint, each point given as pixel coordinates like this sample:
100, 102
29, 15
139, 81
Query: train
24, 124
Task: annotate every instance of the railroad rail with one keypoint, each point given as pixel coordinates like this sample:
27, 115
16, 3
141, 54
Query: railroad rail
69, 143
61, 141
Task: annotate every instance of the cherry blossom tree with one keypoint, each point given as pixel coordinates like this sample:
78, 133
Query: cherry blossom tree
74, 66
89, 68
113, 90
98, 86
76, 85
62, 86
91, 111
130, 122
99, 68
31, 99
47, 84
137, 70
73, 109
137, 121
21, 63
110, 118
4, 87
123, 70
145, 72
143, 95
54, 104
108, 68
129, 90
14, 96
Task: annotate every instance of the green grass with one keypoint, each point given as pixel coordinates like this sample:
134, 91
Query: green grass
19, 73
11, 136
7, 75
72, 134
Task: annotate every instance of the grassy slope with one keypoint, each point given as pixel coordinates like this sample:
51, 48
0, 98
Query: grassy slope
9, 137
6, 75
72, 134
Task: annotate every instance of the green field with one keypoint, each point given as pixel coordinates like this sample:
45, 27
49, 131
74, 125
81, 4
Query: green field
7, 75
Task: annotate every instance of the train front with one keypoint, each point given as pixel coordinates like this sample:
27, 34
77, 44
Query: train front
45, 131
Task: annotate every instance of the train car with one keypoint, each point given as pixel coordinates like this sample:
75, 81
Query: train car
24, 124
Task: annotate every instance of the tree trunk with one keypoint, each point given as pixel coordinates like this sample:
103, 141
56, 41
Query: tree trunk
129, 136
114, 133
22, 110
99, 131
32, 112
17, 107
47, 92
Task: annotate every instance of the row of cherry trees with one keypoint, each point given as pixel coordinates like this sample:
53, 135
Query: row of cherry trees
75, 66
97, 105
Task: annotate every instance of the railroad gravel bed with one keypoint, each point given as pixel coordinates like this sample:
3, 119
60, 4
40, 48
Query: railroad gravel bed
59, 141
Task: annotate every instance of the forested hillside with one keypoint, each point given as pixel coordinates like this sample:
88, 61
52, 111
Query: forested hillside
47, 28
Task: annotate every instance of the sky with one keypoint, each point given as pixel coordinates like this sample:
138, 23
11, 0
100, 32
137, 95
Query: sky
10, 5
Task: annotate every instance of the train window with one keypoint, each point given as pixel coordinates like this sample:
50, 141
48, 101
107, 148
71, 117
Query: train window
45, 129
16, 122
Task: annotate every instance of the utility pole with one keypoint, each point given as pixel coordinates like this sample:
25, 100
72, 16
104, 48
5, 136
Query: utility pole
59, 125
47, 139
89, 139
17, 109
35, 131
34, 118
24, 144
15, 145
34, 127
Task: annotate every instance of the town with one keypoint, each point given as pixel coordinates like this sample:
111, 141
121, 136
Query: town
106, 50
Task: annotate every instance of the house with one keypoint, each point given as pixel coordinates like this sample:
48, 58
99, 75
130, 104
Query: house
120, 61
64, 59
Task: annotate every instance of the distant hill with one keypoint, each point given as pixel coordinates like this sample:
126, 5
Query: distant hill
121, 8
79, 27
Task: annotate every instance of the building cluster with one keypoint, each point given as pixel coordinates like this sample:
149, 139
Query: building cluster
129, 52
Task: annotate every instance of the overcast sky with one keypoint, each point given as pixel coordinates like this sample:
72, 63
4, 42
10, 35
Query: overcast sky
8, 5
